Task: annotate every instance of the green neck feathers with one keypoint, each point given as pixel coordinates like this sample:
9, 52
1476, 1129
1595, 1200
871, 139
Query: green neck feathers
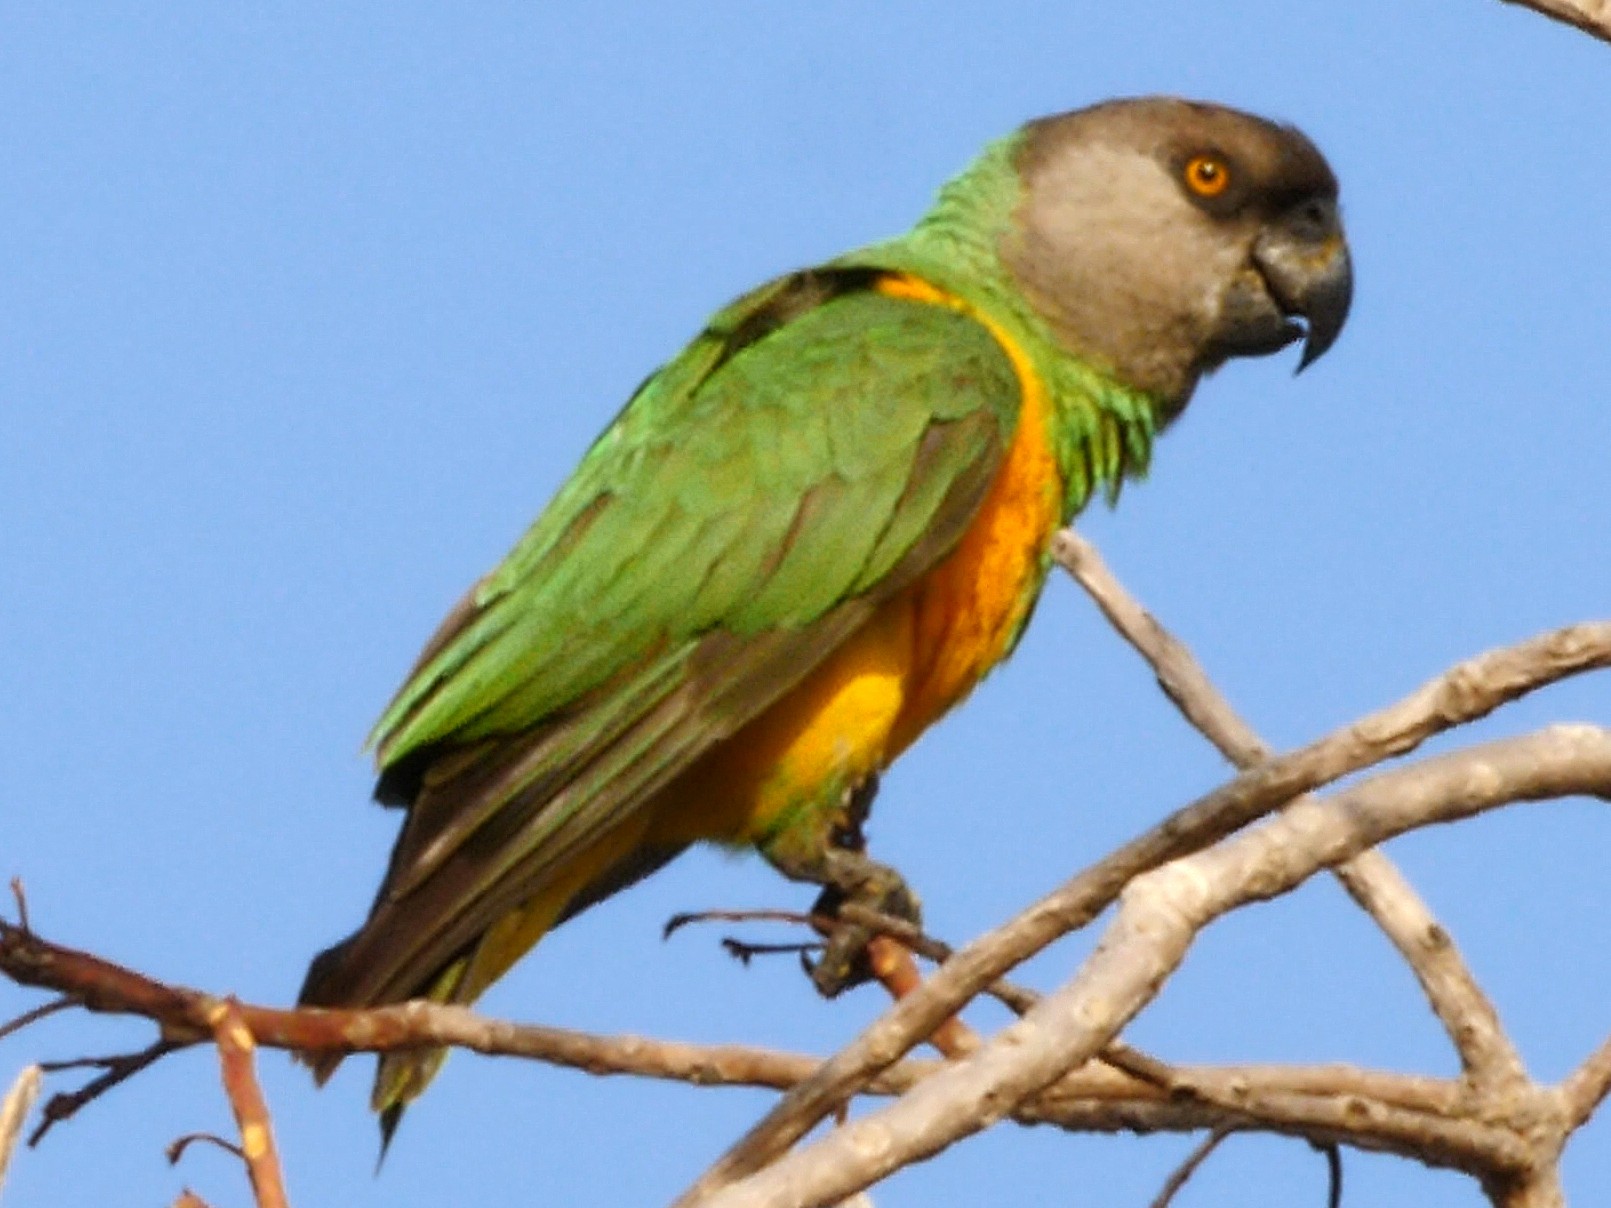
1102, 430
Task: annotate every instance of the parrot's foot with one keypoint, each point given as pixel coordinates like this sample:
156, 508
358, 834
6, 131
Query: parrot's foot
864, 882
837, 861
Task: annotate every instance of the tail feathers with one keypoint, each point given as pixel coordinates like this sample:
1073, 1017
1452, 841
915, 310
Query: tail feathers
328, 984
363, 970
400, 1077
390, 1118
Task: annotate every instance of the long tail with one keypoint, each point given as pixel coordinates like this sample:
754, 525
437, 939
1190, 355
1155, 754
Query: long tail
338, 976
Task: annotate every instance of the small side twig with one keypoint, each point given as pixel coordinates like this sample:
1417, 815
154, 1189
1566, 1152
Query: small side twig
176, 1147
892, 964
1586, 1087
1467, 1014
21, 899
118, 1069
1182, 1173
34, 1016
1334, 1173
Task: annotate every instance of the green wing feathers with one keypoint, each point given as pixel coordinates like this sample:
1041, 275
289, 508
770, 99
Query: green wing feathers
817, 447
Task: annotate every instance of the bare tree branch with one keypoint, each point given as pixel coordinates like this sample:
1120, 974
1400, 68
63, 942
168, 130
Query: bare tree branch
1469, 691
1413, 1116
1466, 1013
1060, 1064
1593, 17
1159, 915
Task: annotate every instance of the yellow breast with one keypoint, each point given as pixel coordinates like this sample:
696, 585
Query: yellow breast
968, 608
920, 654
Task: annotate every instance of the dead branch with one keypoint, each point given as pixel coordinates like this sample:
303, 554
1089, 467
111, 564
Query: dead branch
1487, 1056
1121, 1091
1587, 1086
1593, 17
177, 1147
1467, 1015
1160, 914
1469, 691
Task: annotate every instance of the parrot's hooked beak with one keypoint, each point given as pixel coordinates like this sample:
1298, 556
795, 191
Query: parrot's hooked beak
1303, 258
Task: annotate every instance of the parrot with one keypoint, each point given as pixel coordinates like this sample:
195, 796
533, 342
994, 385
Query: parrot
813, 531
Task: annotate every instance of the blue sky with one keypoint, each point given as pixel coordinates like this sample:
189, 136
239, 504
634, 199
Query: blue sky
305, 311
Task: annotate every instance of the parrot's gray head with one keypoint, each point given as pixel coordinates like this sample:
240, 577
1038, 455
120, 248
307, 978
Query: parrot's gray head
1163, 237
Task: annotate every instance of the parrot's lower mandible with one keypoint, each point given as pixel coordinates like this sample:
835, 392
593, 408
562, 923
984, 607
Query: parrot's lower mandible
814, 530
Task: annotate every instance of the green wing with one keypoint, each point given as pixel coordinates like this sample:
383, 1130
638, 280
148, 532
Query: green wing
816, 448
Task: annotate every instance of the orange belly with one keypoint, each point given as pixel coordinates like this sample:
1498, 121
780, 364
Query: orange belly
920, 654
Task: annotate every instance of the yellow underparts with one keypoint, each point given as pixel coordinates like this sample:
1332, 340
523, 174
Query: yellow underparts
920, 654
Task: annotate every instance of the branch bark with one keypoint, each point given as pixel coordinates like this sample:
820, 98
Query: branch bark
1159, 915
1469, 691
1413, 1116
235, 1049
1467, 1015
1593, 17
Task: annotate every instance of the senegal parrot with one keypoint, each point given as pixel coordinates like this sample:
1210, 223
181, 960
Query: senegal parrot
814, 530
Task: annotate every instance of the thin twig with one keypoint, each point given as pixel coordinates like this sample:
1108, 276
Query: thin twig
176, 1147
34, 1016
892, 964
1334, 1174
1487, 1055
21, 899
1588, 1085
120, 1069
1182, 1173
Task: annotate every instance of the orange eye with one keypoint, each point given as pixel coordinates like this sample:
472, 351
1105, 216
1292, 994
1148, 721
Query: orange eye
1207, 175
